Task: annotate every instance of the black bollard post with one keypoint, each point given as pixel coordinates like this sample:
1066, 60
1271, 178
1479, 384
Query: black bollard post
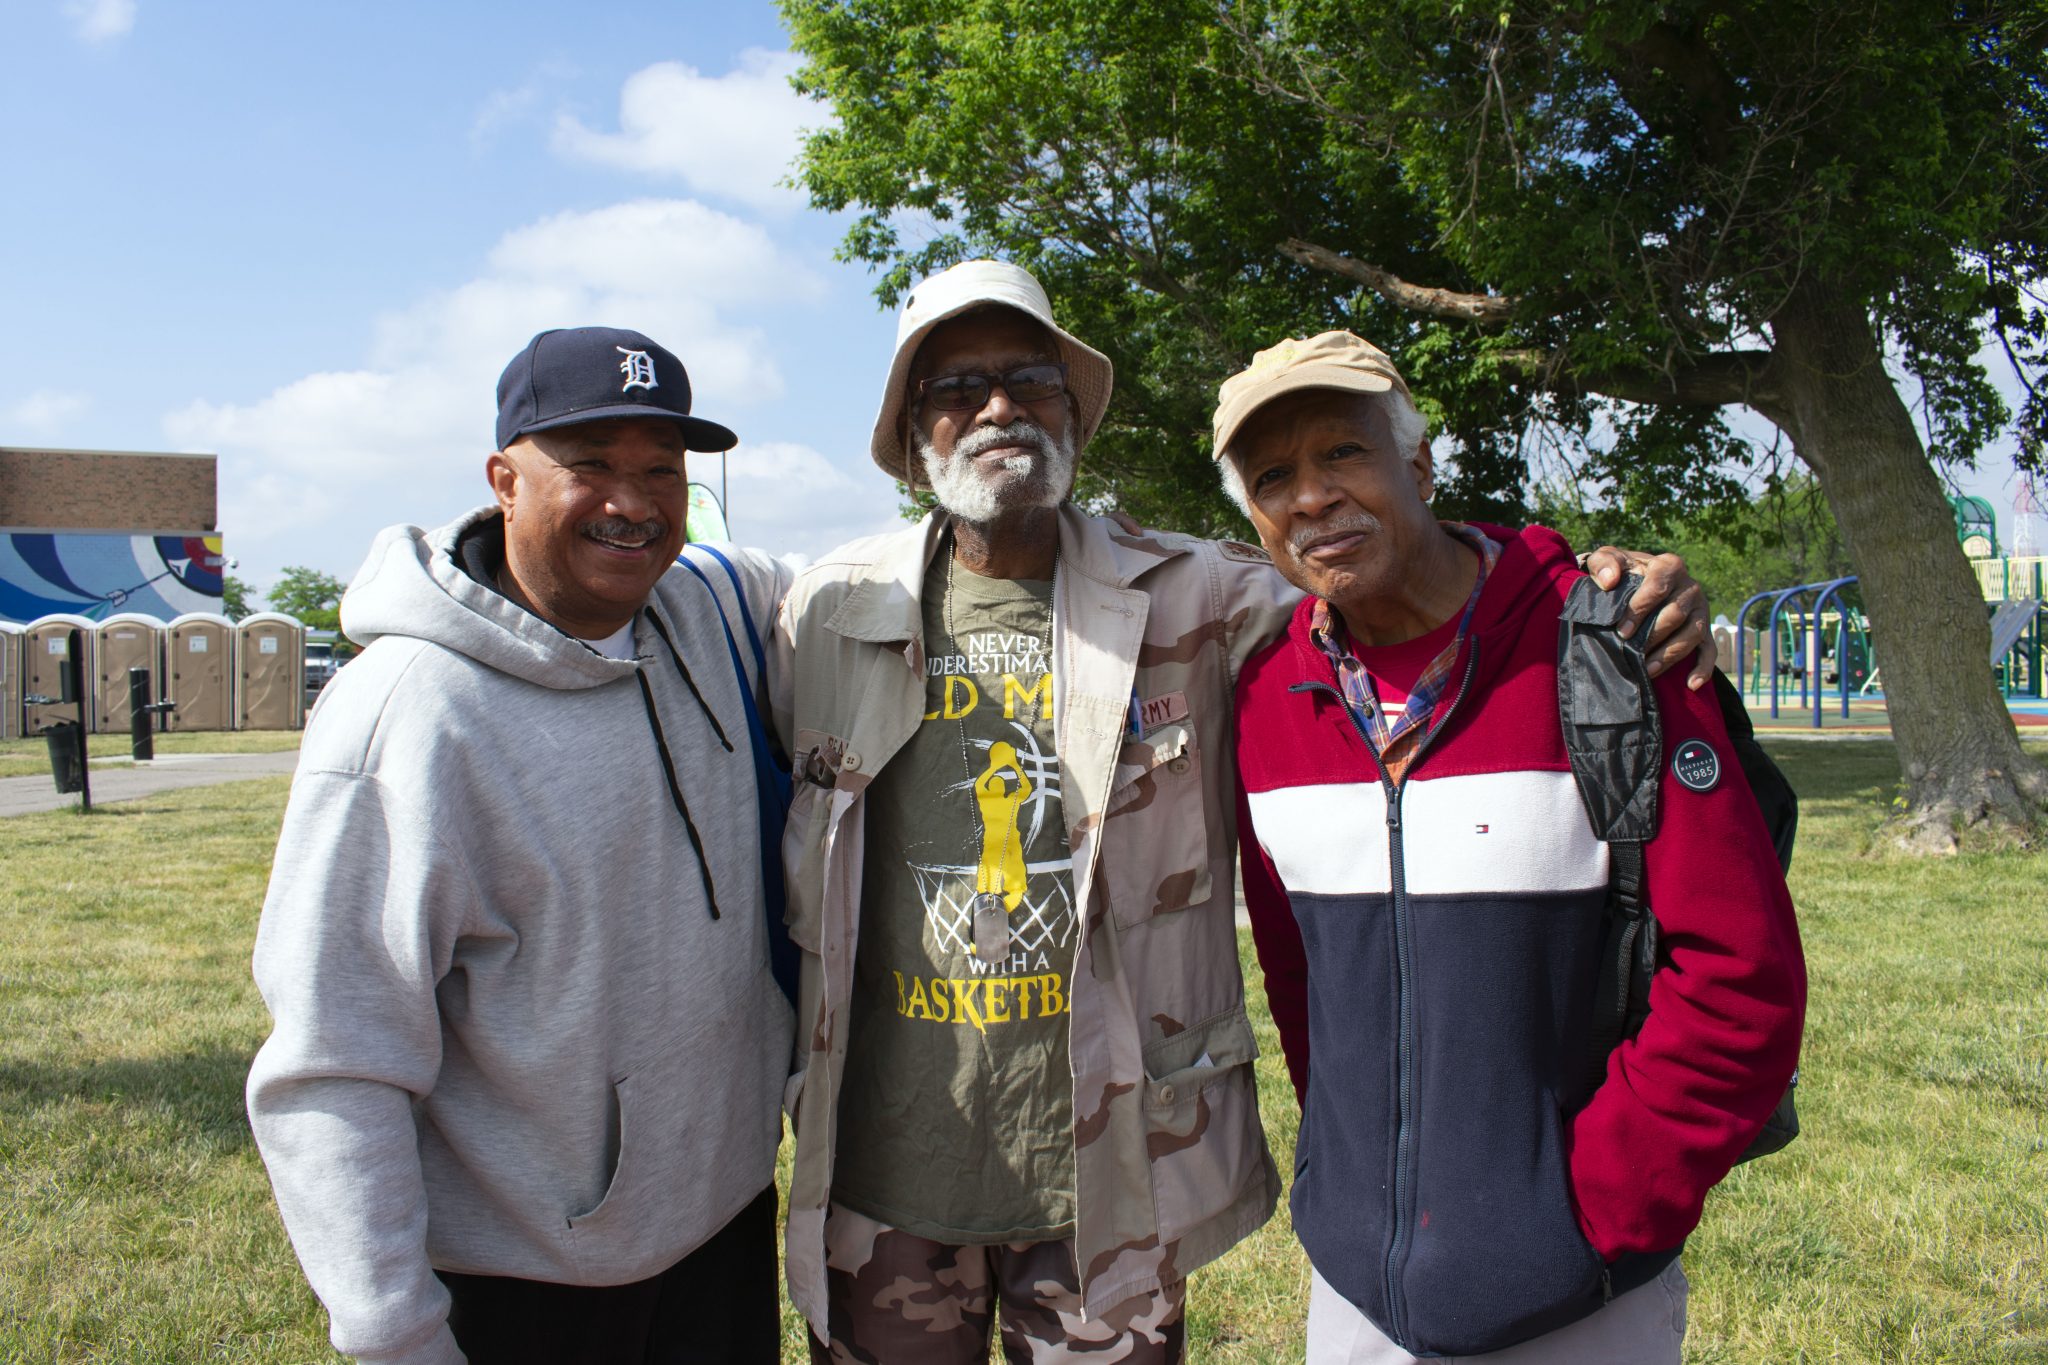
74, 670
141, 716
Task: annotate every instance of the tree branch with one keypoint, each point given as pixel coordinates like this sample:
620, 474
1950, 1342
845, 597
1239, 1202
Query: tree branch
1718, 380
1713, 380
1414, 298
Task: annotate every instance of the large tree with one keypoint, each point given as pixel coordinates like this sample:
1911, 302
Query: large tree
1609, 224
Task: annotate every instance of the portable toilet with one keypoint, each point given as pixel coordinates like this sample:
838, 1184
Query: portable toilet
129, 640
46, 648
270, 653
199, 650
10, 680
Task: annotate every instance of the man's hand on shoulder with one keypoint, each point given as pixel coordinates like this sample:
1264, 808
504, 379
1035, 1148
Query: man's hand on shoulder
1681, 625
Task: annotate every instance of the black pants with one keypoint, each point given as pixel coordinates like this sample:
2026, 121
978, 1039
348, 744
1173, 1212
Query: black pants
716, 1306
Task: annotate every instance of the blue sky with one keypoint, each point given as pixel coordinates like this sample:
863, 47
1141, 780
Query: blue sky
308, 238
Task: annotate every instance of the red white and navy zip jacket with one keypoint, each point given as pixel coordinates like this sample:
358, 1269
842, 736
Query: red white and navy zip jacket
1434, 950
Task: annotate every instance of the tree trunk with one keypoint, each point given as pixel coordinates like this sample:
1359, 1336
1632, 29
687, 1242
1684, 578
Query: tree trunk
1961, 756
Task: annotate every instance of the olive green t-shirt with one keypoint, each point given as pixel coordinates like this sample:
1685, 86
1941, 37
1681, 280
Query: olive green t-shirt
957, 1112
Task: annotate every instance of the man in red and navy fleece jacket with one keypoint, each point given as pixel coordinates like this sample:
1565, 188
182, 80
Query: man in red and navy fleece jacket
1426, 895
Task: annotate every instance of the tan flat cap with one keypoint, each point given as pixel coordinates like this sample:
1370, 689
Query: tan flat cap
1333, 360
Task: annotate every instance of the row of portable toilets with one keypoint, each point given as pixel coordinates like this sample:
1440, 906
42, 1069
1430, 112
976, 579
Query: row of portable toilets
216, 673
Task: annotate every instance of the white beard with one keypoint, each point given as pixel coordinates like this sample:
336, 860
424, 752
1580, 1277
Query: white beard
1027, 480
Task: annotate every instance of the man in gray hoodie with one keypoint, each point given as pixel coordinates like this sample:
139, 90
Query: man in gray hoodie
521, 1101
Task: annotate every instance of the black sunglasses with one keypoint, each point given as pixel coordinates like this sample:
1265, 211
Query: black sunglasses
1025, 384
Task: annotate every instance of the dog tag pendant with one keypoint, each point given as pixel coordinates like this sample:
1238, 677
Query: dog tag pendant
991, 928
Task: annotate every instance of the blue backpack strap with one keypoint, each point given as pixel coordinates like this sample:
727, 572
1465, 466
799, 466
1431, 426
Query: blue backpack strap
772, 785
739, 593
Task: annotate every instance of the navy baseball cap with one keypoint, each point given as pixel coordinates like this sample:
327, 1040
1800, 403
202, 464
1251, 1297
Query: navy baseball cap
583, 374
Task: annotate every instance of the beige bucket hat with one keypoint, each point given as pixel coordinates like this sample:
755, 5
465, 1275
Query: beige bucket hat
1333, 360
948, 294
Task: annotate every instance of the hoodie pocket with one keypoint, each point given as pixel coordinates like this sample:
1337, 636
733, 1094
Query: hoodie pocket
697, 1131
1155, 839
1202, 1132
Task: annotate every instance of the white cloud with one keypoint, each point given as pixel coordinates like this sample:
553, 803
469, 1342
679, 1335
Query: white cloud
311, 470
732, 136
44, 411
99, 21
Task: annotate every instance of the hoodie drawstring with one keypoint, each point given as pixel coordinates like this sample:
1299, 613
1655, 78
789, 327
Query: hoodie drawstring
668, 767
688, 681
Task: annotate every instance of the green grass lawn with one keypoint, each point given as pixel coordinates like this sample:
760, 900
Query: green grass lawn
31, 757
1908, 1224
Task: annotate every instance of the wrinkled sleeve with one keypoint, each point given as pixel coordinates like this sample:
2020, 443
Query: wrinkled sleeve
1256, 602
782, 674
1686, 1095
357, 929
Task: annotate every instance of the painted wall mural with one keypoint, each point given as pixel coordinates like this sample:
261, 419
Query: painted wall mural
96, 574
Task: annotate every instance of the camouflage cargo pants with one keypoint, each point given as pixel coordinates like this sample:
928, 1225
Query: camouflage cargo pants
894, 1298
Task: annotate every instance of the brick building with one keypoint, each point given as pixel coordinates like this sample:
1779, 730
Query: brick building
95, 532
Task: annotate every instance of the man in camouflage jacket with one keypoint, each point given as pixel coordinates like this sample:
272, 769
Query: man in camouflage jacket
1122, 936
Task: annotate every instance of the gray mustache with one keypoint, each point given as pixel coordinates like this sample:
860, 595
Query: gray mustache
1299, 540
983, 439
617, 528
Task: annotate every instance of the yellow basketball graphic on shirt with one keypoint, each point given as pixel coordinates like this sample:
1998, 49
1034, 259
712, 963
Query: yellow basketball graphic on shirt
1001, 869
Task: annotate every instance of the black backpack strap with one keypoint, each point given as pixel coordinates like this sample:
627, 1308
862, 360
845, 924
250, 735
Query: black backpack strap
1614, 739
1612, 732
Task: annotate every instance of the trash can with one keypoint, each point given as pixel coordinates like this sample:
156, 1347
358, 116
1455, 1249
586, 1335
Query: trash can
63, 738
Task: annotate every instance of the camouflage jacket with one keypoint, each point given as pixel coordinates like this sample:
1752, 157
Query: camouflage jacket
1170, 1159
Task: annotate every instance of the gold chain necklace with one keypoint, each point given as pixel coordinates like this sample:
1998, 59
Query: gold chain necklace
989, 912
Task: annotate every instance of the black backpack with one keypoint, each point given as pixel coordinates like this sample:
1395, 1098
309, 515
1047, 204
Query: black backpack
1615, 741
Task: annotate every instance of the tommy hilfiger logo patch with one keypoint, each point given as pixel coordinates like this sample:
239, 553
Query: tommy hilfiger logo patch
1697, 766
638, 367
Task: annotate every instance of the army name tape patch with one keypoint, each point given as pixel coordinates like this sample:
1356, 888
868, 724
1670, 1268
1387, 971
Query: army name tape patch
1697, 766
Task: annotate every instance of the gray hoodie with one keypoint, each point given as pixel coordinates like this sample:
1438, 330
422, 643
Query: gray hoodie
511, 1036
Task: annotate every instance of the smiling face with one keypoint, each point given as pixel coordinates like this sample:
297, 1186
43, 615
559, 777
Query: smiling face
1343, 513
1004, 455
594, 516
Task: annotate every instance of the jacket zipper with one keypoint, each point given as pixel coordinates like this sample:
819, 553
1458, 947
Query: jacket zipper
1404, 1132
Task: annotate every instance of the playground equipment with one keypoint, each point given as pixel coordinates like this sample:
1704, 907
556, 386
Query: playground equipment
2016, 643
1976, 526
1795, 646
2019, 635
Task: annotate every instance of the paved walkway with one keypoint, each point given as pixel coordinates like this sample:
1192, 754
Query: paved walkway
125, 781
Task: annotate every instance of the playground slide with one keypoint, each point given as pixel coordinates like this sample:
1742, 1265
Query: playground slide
2009, 623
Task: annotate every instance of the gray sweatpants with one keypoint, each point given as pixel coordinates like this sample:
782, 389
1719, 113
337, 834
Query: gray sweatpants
1641, 1327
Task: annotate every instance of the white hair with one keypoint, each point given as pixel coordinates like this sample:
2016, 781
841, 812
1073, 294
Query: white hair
1404, 423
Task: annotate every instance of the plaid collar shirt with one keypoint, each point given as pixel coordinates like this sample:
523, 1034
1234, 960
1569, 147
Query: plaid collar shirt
1396, 743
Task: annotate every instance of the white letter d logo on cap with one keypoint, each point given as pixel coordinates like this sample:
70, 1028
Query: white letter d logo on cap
638, 367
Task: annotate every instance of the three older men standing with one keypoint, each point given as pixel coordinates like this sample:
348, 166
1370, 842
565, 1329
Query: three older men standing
521, 1099
519, 1102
